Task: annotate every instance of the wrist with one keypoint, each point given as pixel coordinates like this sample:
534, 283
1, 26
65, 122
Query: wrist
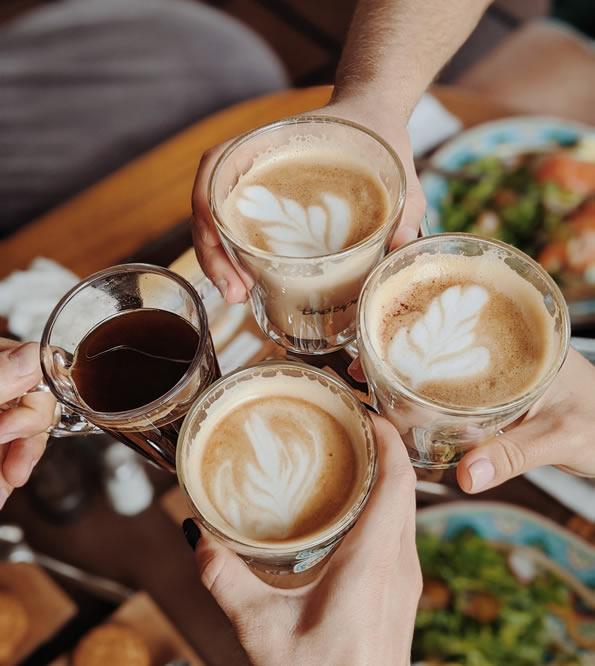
390, 124
386, 93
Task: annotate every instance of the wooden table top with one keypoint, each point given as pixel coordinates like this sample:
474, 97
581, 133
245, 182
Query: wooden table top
141, 201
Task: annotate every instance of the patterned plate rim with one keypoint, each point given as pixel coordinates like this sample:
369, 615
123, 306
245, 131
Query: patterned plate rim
487, 505
494, 125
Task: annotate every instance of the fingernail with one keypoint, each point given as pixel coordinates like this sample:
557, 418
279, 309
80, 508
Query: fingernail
25, 358
3, 497
191, 532
223, 286
6, 437
482, 472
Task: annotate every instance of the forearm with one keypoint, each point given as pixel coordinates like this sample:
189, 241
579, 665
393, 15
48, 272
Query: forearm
396, 47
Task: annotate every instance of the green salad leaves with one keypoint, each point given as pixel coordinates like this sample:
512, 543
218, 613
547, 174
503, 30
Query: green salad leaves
474, 611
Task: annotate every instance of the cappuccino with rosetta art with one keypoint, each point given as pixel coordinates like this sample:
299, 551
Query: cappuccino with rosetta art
306, 208
278, 468
463, 331
278, 461
458, 336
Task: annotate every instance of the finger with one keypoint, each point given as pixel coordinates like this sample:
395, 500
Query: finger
219, 269
7, 343
391, 504
407, 583
543, 439
21, 458
230, 581
415, 207
20, 370
5, 487
356, 371
34, 414
211, 256
415, 203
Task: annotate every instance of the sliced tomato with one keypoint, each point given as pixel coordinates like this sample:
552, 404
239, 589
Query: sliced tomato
553, 256
577, 176
576, 253
580, 247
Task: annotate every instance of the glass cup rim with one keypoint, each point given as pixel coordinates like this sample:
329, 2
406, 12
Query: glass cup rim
395, 213
327, 536
88, 282
441, 407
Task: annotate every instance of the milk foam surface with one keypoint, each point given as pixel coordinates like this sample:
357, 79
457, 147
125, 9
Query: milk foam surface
306, 203
277, 467
465, 331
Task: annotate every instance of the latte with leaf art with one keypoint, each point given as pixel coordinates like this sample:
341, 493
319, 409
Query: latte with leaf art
296, 206
465, 331
278, 461
305, 208
279, 468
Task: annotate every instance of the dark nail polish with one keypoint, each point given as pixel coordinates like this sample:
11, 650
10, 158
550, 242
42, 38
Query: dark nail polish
191, 532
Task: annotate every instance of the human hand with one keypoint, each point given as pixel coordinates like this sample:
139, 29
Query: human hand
558, 430
361, 610
233, 283
23, 427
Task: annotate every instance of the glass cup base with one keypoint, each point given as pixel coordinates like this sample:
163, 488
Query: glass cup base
427, 464
427, 453
311, 346
288, 578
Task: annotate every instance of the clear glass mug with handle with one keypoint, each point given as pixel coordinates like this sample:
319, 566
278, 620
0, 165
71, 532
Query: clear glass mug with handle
152, 429
308, 304
437, 435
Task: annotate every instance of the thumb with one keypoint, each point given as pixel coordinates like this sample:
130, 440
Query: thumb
234, 587
380, 528
539, 440
19, 370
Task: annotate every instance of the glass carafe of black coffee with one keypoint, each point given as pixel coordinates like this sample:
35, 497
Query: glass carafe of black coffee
127, 351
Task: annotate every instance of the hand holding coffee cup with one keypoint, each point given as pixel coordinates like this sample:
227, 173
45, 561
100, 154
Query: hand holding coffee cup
559, 429
459, 336
235, 283
305, 208
126, 351
371, 585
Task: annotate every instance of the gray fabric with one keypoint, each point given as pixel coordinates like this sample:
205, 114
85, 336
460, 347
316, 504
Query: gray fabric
85, 85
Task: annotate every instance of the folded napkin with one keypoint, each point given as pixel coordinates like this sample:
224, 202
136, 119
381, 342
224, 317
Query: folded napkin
28, 297
430, 124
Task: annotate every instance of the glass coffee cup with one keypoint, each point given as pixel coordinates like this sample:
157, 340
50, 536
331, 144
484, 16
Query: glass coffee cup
458, 337
127, 351
277, 461
306, 281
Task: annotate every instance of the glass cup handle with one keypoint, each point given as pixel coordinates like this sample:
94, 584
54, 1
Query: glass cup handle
67, 423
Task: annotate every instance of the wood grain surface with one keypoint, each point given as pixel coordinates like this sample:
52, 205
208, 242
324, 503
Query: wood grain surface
141, 201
